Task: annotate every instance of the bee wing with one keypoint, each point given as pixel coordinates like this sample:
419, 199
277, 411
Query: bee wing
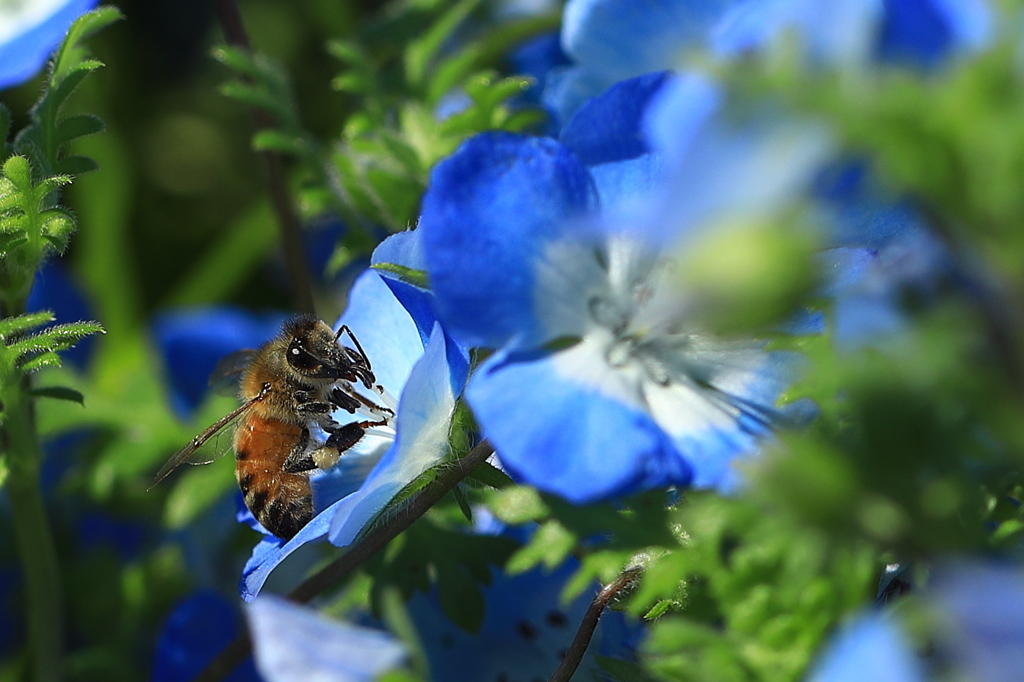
225, 376
206, 446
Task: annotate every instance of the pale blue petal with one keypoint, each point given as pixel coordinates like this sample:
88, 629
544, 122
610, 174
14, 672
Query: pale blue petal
835, 32
724, 171
625, 38
424, 419
293, 643
567, 434
271, 551
27, 40
384, 329
870, 648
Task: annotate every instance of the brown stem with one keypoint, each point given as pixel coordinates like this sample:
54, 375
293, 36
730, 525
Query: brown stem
273, 164
573, 656
376, 540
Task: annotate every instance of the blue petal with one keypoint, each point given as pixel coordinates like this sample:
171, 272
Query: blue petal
196, 631
384, 329
608, 127
294, 643
271, 551
23, 54
985, 603
721, 170
423, 422
565, 437
925, 32
193, 341
834, 32
870, 648
525, 631
626, 38
406, 249
489, 213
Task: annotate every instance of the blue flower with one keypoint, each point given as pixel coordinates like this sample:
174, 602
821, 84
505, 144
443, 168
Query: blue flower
872, 647
854, 32
977, 632
721, 173
195, 632
422, 373
613, 40
525, 632
597, 386
192, 342
294, 643
29, 32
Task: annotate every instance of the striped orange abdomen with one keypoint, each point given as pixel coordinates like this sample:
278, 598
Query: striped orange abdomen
281, 501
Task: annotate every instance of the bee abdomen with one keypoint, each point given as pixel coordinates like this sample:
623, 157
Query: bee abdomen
282, 515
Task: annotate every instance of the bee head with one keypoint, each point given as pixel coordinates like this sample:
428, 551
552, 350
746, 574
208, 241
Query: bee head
312, 350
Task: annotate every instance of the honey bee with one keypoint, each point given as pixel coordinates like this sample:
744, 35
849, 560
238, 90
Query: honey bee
289, 384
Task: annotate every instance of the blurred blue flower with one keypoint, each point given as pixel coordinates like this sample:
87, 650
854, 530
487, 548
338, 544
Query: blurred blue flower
597, 387
612, 40
192, 342
720, 171
853, 32
422, 373
29, 31
294, 643
200, 626
55, 289
983, 605
976, 615
525, 632
872, 647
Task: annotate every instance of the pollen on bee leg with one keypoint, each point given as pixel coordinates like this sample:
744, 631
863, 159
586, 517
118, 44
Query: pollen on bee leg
325, 457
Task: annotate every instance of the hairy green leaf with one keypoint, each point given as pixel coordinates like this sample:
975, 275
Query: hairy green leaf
23, 323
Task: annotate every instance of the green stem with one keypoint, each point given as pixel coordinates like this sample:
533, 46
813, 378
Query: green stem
34, 537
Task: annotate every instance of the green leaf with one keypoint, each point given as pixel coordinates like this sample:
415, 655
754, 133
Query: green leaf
9, 242
5, 128
417, 278
421, 52
47, 359
461, 599
59, 393
459, 493
276, 140
452, 72
550, 546
18, 171
76, 165
70, 56
237, 59
490, 475
518, 505
23, 323
623, 671
74, 127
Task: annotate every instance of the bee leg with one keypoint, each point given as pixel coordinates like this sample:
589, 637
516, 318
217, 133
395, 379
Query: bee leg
299, 459
344, 401
339, 441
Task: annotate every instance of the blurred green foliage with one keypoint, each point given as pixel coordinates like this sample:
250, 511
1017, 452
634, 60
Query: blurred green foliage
915, 452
